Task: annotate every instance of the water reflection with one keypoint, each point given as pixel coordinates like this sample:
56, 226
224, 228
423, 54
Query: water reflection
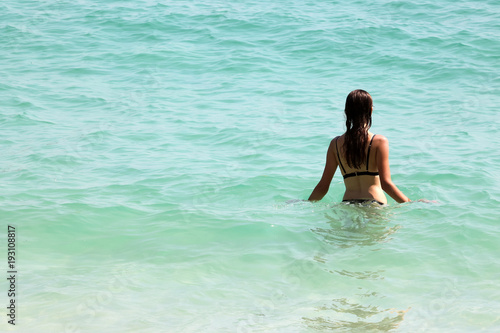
356, 225
351, 235
355, 315
363, 275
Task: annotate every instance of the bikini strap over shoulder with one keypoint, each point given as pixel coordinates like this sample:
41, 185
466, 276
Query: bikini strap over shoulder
338, 156
368, 153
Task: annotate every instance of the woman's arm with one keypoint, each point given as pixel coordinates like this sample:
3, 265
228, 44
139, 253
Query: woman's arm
385, 172
324, 184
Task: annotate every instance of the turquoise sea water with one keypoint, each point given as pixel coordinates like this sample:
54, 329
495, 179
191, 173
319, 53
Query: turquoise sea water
149, 148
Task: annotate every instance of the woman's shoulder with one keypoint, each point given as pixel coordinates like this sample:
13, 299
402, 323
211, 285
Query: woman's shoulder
334, 143
335, 139
380, 141
379, 138
338, 137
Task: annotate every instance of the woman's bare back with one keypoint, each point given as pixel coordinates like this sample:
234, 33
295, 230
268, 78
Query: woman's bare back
364, 182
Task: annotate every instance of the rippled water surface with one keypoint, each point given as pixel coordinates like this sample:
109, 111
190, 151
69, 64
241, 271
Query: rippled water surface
151, 150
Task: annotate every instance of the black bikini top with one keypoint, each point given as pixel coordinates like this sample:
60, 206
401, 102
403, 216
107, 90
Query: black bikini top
357, 173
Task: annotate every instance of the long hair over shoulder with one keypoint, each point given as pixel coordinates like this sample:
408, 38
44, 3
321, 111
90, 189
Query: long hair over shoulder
358, 111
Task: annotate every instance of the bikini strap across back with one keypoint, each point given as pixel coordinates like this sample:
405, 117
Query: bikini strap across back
361, 173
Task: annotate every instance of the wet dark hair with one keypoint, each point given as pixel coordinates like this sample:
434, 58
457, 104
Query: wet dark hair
358, 111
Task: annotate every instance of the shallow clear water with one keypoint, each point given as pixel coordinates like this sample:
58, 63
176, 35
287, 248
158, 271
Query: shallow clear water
149, 150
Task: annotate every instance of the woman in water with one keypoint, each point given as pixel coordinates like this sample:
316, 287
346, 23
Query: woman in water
363, 158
